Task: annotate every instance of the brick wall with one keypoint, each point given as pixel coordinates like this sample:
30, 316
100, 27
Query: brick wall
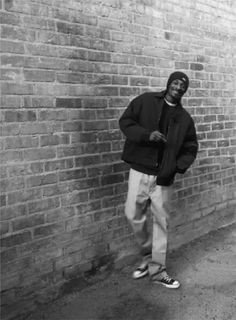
69, 68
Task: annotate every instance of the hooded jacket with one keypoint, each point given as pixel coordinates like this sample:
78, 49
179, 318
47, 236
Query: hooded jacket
139, 120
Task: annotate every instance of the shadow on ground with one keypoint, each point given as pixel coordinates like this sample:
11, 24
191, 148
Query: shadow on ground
205, 267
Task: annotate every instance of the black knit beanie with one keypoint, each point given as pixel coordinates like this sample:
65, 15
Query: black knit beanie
178, 75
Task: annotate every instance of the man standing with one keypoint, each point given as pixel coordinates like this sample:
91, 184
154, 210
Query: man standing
160, 141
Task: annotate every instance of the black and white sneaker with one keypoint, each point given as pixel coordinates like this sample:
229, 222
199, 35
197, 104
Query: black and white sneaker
168, 282
141, 271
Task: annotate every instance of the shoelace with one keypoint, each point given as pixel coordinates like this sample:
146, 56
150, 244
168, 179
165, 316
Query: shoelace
168, 279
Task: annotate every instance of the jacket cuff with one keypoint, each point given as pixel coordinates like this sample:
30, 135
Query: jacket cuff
145, 137
179, 170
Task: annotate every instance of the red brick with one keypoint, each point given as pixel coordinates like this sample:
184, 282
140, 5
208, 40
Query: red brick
21, 142
75, 198
68, 103
12, 212
217, 126
72, 126
120, 80
101, 193
95, 125
105, 68
129, 91
111, 179
13, 61
41, 180
23, 196
45, 63
9, 18
82, 184
4, 228
181, 65
47, 115
203, 127
111, 157
58, 164
11, 102
15, 88
69, 151
71, 78
54, 190
84, 114
88, 207
118, 103
12, 184
47, 230
51, 140
222, 143
16, 239
8, 255
16, 33
11, 47
49, 37
38, 23
11, 156
10, 130
58, 215
70, 28
51, 89
81, 66
43, 205
11, 74
72, 174
39, 154
99, 56
95, 103
43, 50
106, 91
34, 128
99, 79
3, 200
97, 32
27, 222
97, 147
39, 75
20, 116
138, 81
196, 66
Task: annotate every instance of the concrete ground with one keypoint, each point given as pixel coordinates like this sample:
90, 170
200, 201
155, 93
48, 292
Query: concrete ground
206, 268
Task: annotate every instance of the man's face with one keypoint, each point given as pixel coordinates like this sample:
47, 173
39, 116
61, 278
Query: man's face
177, 89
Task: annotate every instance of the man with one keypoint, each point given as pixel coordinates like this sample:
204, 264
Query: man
160, 141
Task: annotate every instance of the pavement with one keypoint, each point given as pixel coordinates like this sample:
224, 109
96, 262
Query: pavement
206, 268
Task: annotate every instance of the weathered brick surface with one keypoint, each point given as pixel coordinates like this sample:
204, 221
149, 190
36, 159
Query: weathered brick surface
68, 70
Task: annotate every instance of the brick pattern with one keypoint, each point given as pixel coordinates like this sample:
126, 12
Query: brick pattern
68, 69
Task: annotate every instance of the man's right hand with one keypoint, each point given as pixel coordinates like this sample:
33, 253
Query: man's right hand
157, 136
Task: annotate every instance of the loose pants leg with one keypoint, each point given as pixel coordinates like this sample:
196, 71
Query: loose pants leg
143, 191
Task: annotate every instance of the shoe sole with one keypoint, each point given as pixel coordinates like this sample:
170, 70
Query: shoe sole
143, 274
166, 285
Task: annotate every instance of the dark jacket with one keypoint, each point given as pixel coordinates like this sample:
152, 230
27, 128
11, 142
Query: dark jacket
142, 117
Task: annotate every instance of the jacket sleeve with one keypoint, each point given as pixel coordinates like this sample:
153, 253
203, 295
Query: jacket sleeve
189, 149
129, 122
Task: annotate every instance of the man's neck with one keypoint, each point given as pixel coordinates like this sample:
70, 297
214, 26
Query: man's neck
170, 103
170, 99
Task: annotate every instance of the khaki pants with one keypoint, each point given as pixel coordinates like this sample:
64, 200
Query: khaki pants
142, 192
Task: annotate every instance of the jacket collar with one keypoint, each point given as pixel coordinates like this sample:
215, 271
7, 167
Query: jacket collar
161, 95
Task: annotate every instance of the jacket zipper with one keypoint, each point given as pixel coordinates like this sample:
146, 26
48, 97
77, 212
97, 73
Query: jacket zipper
157, 164
165, 152
158, 121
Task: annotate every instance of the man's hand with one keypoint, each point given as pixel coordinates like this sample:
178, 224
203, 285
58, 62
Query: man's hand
157, 136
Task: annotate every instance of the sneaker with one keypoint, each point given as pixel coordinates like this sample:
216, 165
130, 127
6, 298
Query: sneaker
168, 282
140, 272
